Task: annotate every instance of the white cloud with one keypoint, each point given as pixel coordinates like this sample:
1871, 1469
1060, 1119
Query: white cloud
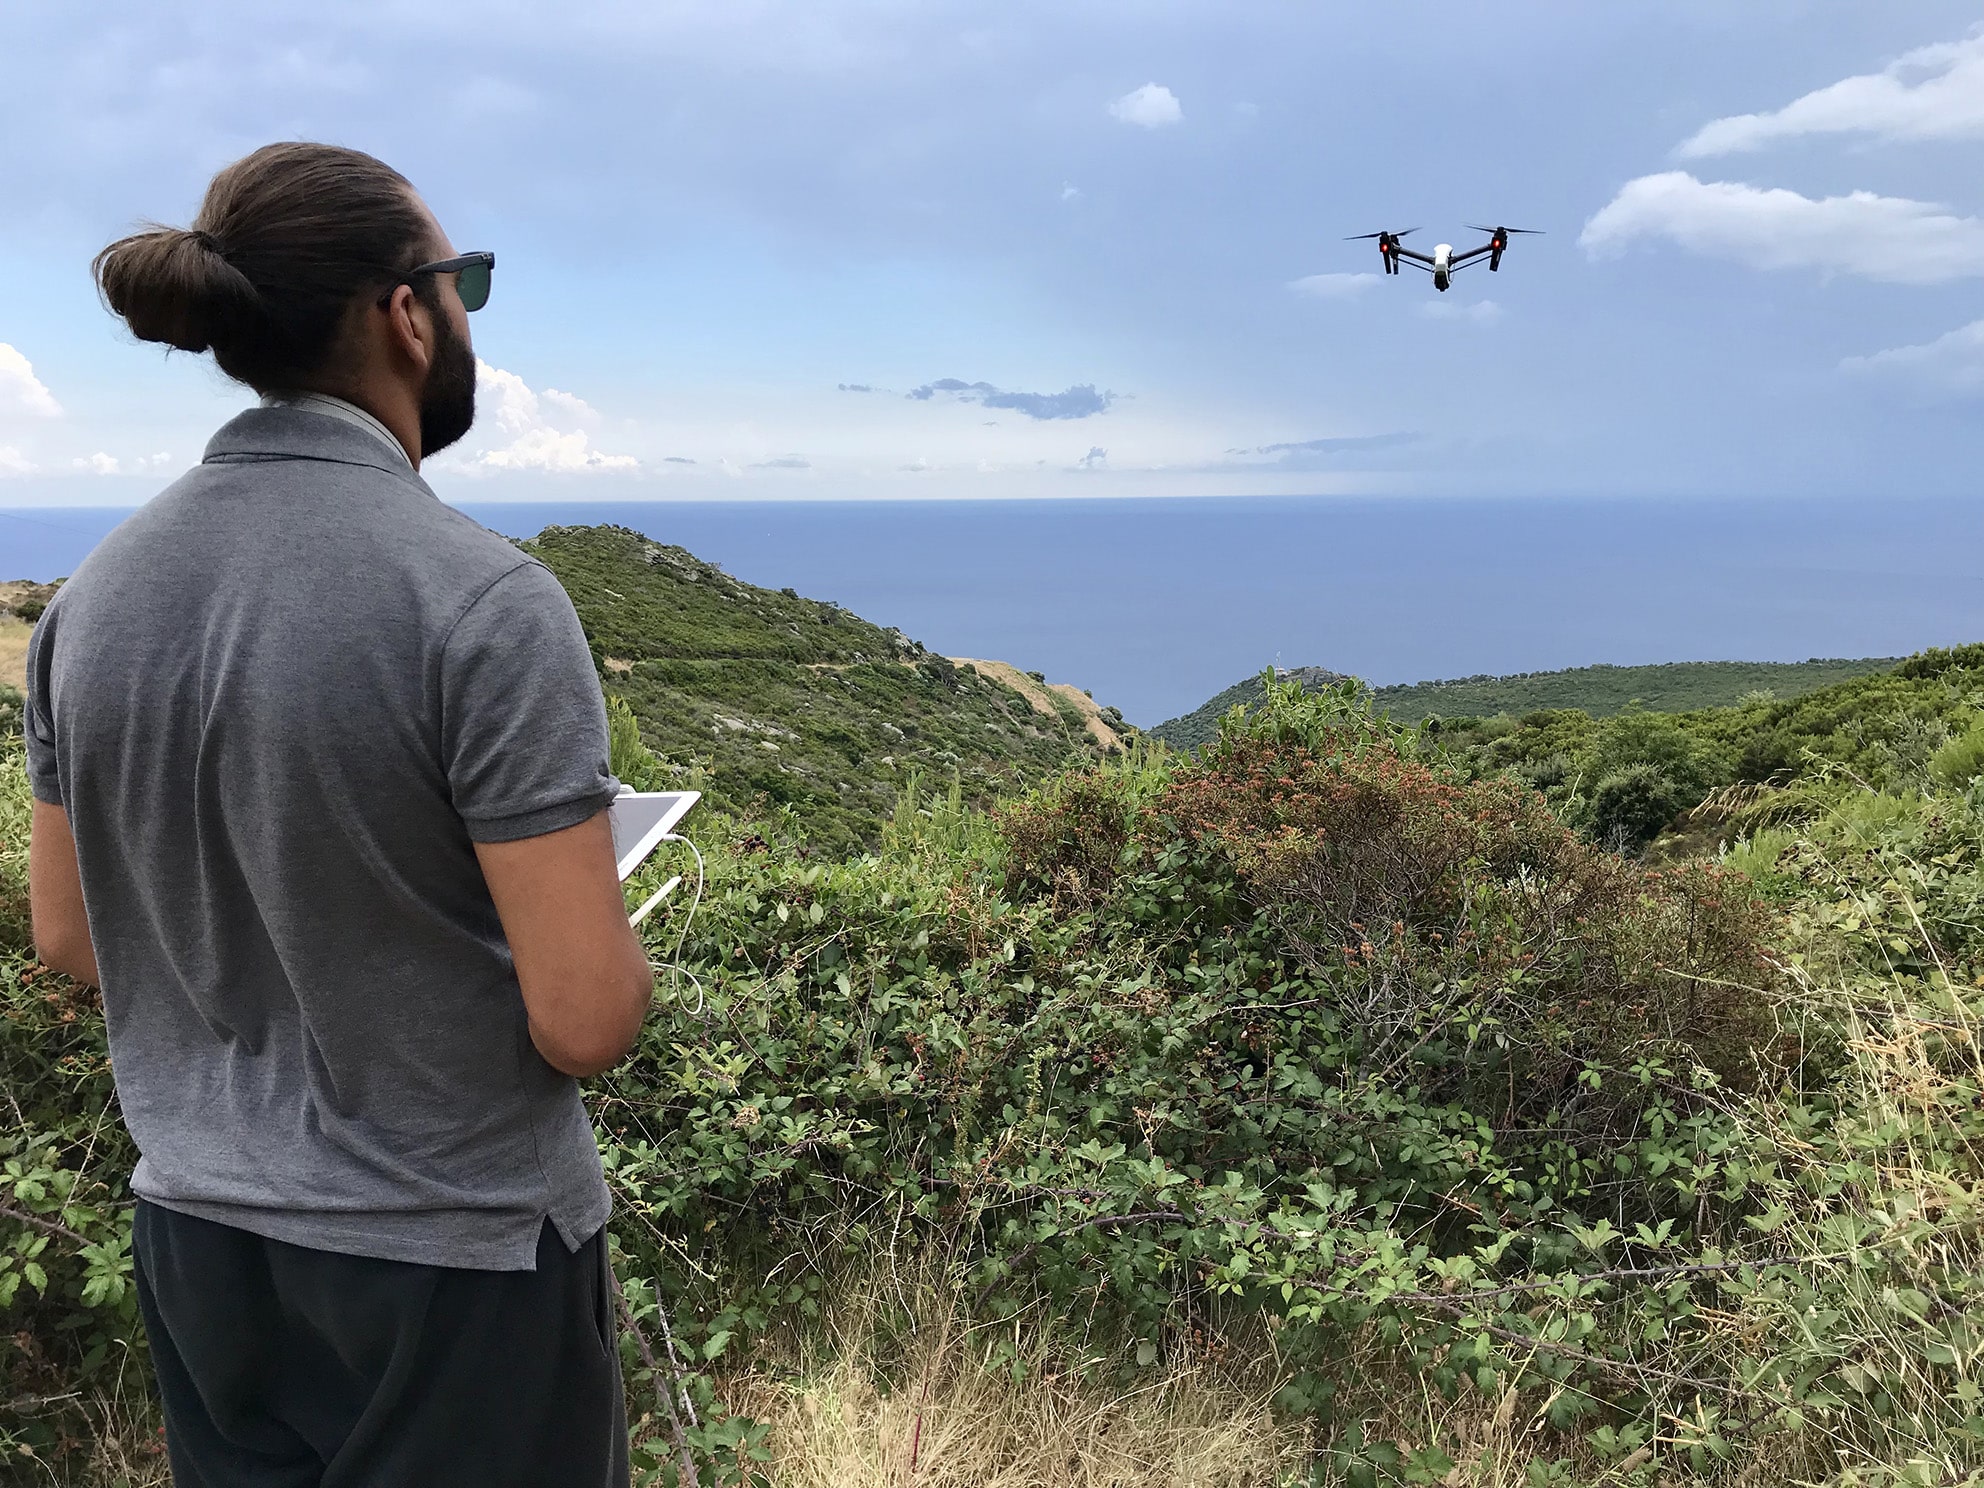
13, 462
1151, 106
1479, 312
1070, 191
104, 463
1953, 363
573, 407
1936, 92
549, 450
1334, 286
537, 436
1887, 238
20, 390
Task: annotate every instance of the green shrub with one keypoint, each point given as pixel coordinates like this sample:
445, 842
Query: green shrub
1547, 774
631, 761
71, 1340
1659, 740
1768, 754
1631, 806
1961, 760
1315, 1047
16, 807
1067, 841
1476, 938
1758, 856
1938, 661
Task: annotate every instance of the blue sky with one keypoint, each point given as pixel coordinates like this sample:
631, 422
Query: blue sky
923, 249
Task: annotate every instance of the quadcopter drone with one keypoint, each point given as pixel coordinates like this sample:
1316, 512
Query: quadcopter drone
1442, 263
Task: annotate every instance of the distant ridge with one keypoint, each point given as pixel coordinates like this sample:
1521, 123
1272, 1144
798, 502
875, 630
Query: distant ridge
1670, 687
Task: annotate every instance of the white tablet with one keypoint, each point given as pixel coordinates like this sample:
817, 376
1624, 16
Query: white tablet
640, 819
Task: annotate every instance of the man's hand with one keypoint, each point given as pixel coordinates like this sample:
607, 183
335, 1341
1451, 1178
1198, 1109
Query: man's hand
55, 896
584, 973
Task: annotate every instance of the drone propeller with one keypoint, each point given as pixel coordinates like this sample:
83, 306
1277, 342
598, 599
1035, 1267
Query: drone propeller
1359, 237
1533, 231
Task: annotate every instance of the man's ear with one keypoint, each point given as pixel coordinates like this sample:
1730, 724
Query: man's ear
410, 328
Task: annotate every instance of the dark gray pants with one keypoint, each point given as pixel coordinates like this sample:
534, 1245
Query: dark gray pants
285, 1367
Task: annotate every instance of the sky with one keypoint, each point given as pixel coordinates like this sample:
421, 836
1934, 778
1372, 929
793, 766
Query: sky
927, 249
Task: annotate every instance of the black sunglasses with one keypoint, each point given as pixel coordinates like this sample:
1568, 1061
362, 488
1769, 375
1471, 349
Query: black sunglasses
472, 285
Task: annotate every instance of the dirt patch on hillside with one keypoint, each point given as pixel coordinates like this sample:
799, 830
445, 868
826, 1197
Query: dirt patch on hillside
14, 630
1036, 693
13, 591
14, 633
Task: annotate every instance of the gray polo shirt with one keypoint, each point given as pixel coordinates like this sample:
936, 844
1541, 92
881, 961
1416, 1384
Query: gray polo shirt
280, 704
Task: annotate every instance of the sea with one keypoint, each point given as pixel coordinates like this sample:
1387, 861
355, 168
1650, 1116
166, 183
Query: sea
1155, 605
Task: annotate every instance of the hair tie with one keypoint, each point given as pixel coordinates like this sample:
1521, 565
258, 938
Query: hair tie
207, 241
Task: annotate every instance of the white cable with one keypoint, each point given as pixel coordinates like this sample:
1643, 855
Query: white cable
682, 940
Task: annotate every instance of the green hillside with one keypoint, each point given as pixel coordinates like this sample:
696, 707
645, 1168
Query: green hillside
1541, 1099
770, 701
1312, 1109
1627, 778
1601, 691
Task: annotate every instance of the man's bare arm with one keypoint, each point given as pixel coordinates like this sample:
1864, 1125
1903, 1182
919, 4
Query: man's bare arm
55, 896
584, 974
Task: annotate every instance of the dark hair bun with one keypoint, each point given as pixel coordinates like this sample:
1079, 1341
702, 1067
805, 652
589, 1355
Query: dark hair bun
286, 242
176, 286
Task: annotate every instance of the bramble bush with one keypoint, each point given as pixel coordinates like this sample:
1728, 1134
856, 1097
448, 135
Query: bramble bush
1311, 1049
1471, 937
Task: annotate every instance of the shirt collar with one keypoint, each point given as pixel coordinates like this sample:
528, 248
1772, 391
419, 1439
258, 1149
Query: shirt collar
346, 412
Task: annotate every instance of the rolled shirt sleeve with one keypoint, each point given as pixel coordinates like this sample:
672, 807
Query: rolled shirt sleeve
38, 724
523, 722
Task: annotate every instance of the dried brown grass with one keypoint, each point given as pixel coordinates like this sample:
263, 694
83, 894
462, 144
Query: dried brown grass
14, 633
964, 1421
126, 1448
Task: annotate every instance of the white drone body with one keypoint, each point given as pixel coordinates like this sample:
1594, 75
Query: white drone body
1443, 266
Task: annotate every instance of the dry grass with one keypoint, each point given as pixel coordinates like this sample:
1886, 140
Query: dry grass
126, 1450
14, 633
970, 1416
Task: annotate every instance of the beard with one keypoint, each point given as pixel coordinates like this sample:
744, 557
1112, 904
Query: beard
447, 403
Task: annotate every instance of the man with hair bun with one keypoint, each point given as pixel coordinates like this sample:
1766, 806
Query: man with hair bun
320, 778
